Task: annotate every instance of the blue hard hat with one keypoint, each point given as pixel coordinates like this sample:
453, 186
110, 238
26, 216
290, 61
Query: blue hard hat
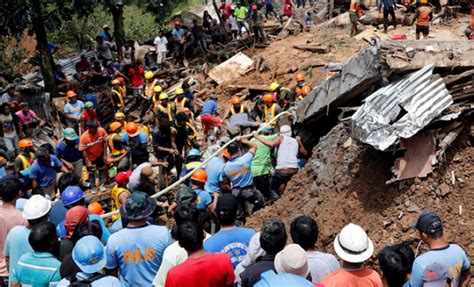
72, 194
194, 152
89, 254
271, 279
61, 230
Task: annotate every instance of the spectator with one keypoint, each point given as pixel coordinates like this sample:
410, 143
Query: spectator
44, 171
270, 279
127, 55
93, 147
254, 251
198, 35
58, 212
430, 230
304, 232
84, 65
67, 151
103, 51
36, 211
354, 247
10, 95
28, 119
105, 34
9, 218
396, 262
240, 14
269, 9
62, 81
73, 110
272, 240
39, 268
137, 250
216, 32
437, 275
292, 259
89, 256
230, 239
136, 74
74, 216
10, 129
178, 40
206, 20
195, 270
161, 45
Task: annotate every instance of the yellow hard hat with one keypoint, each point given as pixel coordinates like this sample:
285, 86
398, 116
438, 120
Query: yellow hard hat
149, 75
179, 91
119, 116
157, 89
115, 82
273, 86
163, 96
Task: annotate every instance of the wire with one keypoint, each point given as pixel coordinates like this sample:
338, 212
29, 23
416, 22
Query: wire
189, 174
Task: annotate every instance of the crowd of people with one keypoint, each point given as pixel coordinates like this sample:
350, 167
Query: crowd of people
54, 230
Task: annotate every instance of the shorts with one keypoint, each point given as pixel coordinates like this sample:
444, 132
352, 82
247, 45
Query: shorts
209, 121
99, 162
137, 91
425, 30
353, 17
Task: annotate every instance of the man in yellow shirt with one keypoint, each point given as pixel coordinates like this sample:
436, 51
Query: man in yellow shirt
240, 14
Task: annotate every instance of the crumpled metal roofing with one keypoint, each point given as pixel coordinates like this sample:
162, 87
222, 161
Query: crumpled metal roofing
401, 109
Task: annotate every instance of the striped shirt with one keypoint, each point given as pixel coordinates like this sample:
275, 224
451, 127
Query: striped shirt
37, 269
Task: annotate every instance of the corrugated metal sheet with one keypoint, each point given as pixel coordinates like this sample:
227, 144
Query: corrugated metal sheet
401, 109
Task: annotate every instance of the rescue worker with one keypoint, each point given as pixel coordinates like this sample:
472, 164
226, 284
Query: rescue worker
423, 17
185, 134
284, 96
120, 192
181, 101
88, 114
122, 87
136, 141
203, 198
25, 158
193, 160
120, 118
164, 144
155, 99
300, 85
355, 11
236, 108
164, 107
303, 93
209, 119
270, 109
150, 85
116, 96
118, 155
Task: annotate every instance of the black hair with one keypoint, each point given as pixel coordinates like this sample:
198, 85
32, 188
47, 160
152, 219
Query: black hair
10, 189
4, 105
185, 212
42, 151
195, 21
227, 217
304, 231
273, 236
80, 202
437, 235
68, 179
190, 236
396, 263
162, 117
42, 237
49, 147
185, 85
87, 228
181, 116
204, 218
92, 123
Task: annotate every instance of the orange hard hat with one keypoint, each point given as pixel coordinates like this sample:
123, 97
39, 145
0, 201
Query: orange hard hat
121, 80
115, 82
235, 100
199, 175
305, 90
227, 154
268, 98
70, 94
25, 143
132, 129
299, 77
95, 208
115, 126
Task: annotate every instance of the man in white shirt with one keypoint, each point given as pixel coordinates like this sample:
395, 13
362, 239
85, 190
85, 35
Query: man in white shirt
161, 48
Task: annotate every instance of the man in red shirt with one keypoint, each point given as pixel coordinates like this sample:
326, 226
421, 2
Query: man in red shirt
194, 272
136, 74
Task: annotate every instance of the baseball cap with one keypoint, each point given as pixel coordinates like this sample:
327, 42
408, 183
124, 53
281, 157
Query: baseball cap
139, 206
122, 176
233, 147
227, 203
428, 222
436, 275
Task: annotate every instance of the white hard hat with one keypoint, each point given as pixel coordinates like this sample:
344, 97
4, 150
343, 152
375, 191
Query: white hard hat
353, 245
285, 130
36, 207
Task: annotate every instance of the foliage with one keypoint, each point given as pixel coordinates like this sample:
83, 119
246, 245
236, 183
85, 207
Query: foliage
10, 55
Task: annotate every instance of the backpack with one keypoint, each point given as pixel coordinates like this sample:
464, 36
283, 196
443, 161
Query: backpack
185, 195
74, 282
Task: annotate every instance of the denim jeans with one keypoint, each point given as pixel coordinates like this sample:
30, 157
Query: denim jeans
12, 145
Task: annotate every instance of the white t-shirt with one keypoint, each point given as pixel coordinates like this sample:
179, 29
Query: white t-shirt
160, 43
127, 55
134, 180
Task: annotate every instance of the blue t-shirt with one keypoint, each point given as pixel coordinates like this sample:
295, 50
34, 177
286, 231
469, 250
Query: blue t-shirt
451, 256
209, 107
138, 253
238, 171
203, 199
178, 34
58, 213
140, 139
74, 110
16, 245
234, 242
189, 95
59, 76
105, 36
214, 170
45, 174
108, 281
71, 154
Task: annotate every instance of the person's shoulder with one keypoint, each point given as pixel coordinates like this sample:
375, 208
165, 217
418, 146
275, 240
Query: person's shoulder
245, 231
101, 131
17, 230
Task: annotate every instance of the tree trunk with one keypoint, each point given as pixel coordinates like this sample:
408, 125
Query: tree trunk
42, 47
221, 20
119, 31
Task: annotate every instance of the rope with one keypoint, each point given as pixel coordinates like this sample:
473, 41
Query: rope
189, 174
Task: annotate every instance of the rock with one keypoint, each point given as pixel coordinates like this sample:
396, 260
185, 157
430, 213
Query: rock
406, 223
443, 190
414, 208
347, 143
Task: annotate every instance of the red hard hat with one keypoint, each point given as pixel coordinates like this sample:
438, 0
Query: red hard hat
122, 177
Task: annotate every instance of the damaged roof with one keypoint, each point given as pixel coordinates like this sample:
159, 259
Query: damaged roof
401, 109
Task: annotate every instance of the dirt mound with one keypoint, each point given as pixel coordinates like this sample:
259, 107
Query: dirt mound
344, 182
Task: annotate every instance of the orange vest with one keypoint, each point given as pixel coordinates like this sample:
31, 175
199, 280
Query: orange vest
423, 16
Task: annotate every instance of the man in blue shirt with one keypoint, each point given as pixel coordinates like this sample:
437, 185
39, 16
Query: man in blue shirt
44, 170
105, 34
232, 240
178, 40
67, 151
73, 109
136, 140
137, 250
214, 170
237, 178
209, 117
430, 229
39, 268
